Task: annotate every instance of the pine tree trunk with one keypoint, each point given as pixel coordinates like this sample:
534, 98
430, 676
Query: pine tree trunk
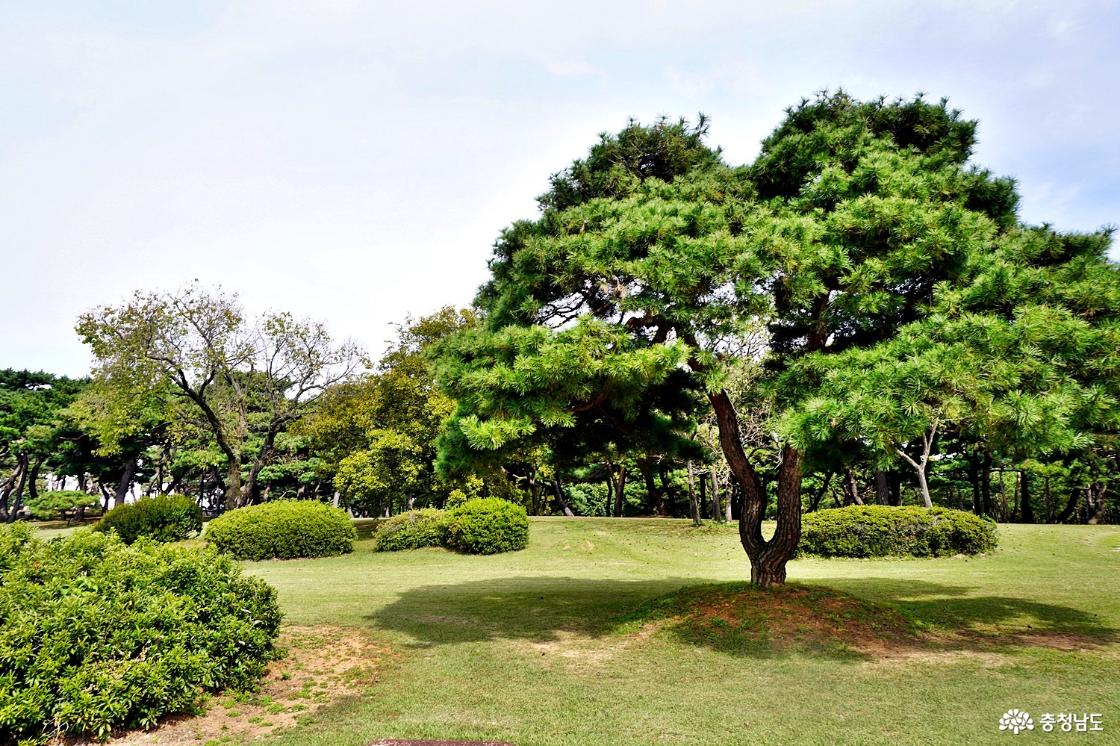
619, 491
1026, 510
560, 498
233, 496
125, 482
717, 515
882, 487
768, 557
694, 502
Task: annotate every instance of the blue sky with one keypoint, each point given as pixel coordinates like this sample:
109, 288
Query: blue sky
354, 162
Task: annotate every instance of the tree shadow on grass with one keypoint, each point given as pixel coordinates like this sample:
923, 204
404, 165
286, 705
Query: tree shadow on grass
834, 620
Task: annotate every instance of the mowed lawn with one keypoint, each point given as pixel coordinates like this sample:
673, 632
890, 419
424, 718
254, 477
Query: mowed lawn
541, 646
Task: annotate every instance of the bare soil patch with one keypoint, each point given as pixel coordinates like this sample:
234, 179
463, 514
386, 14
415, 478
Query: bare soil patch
323, 665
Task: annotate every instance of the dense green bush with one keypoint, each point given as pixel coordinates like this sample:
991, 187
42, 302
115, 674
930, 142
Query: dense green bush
882, 531
96, 634
284, 529
412, 530
161, 518
65, 504
487, 526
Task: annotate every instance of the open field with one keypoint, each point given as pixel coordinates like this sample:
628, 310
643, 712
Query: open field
558, 644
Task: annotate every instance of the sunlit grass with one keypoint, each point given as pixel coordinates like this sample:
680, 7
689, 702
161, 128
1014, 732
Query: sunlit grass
536, 647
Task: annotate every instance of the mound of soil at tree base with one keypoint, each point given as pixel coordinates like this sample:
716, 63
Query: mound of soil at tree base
742, 619
739, 617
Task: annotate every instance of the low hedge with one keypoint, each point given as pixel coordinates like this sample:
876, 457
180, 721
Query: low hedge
97, 635
412, 530
284, 529
487, 526
885, 531
161, 518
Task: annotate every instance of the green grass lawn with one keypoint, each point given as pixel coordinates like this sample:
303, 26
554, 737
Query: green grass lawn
557, 645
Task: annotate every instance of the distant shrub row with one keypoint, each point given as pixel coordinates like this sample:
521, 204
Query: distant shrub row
162, 518
97, 635
481, 526
284, 529
885, 531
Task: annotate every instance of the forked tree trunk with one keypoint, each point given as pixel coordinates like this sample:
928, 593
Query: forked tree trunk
922, 462
1094, 498
768, 557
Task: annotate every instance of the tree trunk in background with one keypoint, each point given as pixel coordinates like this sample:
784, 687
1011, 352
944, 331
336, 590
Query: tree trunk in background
986, 484
666, 491
693, 500
815, 500
717, 515
882, 487
233, 497
653, 494
1094, 498
851, 489
702, 483
610, 489
1026, 510
534, 494
559, 490
16, 499
974, 480
620, 491
124, 483
33, 480
896, 488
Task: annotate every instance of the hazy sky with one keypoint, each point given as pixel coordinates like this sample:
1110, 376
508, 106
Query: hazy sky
354, 162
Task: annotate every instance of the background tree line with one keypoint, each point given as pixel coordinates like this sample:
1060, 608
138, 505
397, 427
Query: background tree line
856, 317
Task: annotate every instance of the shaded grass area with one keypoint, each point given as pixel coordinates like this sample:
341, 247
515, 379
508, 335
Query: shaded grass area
587, 637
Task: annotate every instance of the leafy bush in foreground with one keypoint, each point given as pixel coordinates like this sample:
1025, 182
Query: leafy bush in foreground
412, 530
60, 504
883, 531
97, 635
285, 529
487, 526
160, 518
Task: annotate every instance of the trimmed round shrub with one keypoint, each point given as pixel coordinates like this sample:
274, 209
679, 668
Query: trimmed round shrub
487, 526
885, 531
97, 635
412, 530
284, 529
160, 518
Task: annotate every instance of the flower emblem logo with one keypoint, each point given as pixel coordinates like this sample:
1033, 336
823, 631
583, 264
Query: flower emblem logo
1016, 721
